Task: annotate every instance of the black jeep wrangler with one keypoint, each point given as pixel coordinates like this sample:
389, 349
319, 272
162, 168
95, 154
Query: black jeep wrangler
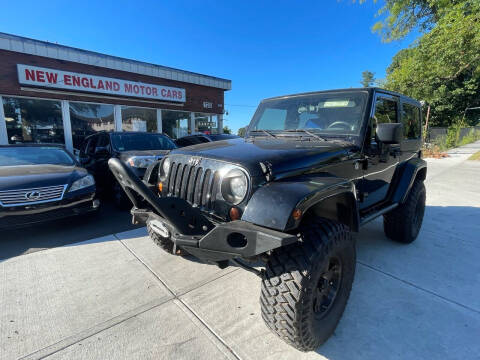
311, 169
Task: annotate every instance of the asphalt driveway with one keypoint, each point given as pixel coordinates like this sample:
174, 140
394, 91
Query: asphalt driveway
120, 297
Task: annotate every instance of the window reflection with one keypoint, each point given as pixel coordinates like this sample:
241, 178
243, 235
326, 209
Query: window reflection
175, 123
33, 120
206, 123
87, 118
139, 119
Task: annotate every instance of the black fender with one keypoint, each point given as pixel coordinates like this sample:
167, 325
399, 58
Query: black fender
334, 198
404, 178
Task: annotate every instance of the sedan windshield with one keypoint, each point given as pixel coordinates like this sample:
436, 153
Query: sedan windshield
34, 155
325, 114
141, 141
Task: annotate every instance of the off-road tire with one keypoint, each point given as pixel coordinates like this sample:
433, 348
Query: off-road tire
292, 278
403, 223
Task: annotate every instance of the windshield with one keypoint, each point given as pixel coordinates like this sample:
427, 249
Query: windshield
34, 155
325, 114
141, 141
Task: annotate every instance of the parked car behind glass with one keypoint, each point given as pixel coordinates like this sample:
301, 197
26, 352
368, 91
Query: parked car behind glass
137, 149
40, 183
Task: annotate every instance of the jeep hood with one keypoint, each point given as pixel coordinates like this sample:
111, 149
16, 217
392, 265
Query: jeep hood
284, 157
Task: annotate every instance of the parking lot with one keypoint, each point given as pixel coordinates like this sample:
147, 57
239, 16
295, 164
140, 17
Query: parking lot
101, 290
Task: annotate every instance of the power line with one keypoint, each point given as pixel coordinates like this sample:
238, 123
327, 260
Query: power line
241, 105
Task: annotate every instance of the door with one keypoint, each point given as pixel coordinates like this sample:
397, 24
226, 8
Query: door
381, 159
411, 118
87, 153
102, 153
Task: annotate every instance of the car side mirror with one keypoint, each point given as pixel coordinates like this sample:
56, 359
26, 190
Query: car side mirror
390, 133
101, 150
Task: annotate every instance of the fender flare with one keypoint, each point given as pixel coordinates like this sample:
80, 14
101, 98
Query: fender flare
405, 177
330, 197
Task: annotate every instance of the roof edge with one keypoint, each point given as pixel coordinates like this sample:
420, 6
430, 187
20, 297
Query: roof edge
62, 52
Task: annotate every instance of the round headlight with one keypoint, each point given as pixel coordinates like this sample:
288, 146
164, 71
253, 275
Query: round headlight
166, 166
234, 186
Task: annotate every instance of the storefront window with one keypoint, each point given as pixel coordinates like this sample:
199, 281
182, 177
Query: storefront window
139, 119
175, 123
33, 120
87, 118
206, 123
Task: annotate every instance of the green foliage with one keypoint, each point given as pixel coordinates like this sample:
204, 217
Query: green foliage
472, 136
368, 78
241, 132
475, 156
443, 66
227, 130
400, 17
453, 137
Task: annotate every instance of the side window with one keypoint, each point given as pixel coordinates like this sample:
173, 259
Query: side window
385, 112
411, 121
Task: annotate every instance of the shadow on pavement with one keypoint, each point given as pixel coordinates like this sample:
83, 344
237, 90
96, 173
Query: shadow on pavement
109, 220
446, 243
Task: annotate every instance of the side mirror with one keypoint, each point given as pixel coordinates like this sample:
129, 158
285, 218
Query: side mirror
390, 133
101, 150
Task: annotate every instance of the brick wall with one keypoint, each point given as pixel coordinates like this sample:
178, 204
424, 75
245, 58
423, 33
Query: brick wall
196, 94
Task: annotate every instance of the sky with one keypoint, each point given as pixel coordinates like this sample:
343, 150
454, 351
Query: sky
266, 48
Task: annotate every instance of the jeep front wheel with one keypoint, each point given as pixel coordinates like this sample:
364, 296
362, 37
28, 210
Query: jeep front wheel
403, 223
306, 285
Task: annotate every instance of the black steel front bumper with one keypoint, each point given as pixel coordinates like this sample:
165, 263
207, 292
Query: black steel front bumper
235, 239
189, 229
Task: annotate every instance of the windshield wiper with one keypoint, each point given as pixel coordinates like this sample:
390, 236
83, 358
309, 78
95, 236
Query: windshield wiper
306, 132
263, 131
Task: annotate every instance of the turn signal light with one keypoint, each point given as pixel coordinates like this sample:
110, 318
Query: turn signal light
297, 214
160, 187
234, 213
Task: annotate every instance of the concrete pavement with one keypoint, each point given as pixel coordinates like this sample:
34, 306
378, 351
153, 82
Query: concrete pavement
120, 296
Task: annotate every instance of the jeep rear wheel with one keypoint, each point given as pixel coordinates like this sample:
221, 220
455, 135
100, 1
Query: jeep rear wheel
403, 223
306, 286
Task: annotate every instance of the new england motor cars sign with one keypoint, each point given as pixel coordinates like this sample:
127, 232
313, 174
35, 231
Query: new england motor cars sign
51, 78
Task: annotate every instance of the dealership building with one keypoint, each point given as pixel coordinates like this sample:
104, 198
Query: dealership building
51, 93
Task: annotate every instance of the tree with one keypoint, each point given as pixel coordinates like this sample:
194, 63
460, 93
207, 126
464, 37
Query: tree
368, 78
227, 130
442, 67
242, 131
400, 17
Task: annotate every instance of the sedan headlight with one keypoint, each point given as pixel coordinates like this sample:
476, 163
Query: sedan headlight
234, 186
141, 161
83, 182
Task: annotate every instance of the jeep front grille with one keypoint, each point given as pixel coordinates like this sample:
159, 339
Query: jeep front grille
32, 196
196, 184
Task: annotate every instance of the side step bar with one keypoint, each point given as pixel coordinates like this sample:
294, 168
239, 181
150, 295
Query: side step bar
378, 213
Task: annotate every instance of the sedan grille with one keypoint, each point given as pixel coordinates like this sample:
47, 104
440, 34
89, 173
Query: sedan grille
38, 195
195, 184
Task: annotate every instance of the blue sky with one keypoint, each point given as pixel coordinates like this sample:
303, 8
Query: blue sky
266, 48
